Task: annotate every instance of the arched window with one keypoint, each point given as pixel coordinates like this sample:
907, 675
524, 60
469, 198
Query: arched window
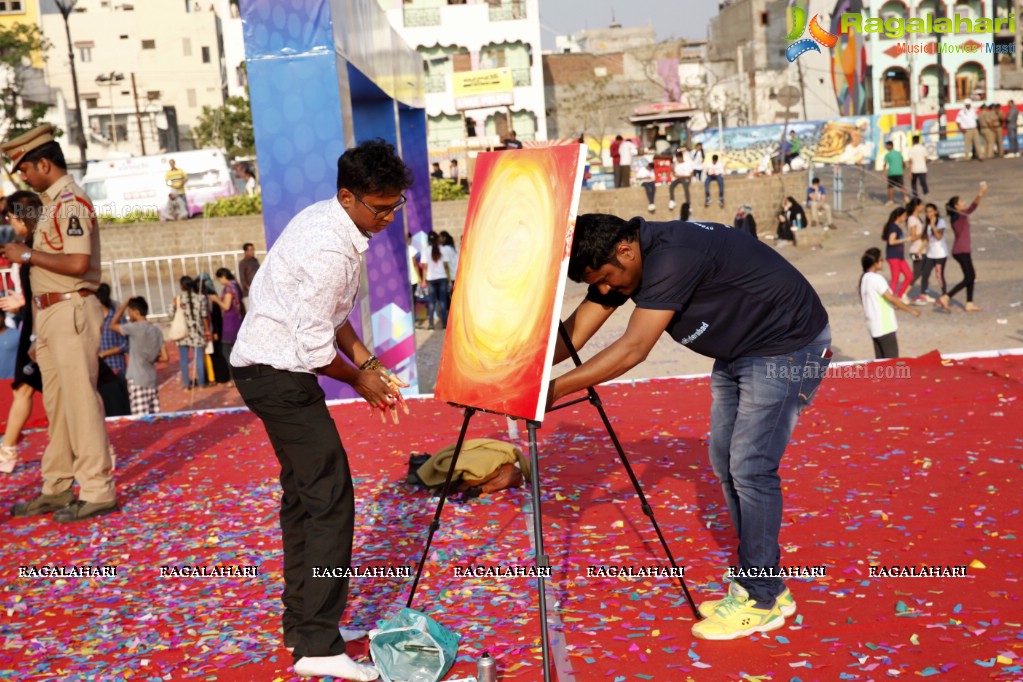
929, 85
971, 81
893, 9
895, 87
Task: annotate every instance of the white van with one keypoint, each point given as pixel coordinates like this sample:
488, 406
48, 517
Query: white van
118, 187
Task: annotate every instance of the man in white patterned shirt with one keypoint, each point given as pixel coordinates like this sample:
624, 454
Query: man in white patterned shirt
297, 328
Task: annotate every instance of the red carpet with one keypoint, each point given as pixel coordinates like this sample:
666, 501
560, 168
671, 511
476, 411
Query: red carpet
916, 471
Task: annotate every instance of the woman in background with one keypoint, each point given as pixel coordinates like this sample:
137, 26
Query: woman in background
22, 213
230, 303
190, 348
438, 269
959, 216
893, 235
936, 254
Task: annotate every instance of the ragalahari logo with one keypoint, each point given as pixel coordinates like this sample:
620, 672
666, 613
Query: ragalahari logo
797, 20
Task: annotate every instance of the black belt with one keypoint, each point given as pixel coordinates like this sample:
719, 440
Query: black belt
252, 371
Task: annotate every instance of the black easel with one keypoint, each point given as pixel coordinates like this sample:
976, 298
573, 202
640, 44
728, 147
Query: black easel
542, 560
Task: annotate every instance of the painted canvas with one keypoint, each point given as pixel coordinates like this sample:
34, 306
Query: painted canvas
503, 322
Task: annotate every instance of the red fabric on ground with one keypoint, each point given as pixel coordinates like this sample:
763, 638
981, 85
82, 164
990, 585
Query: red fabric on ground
918, 470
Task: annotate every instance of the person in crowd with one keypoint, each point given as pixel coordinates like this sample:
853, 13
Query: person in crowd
512, 141
959, 215
894, 170
1012, 128
991, 129
715, 173
176, 179
251, 185
297, 329
648, 182
22, 211
438, 278
966, 121
175, 208
453, 171
146, 350
216, 371
247, 268
936, 254
917, 246
616, 161
447, 245
113, 349
683, 171
745, 222
795, 148
791, 218
879, 305
626, 153
731, 298
65, 258
437, 173
817, 202
191, 348
918, 168
415, 266
229, 301
683, 213
895, 239
698, 160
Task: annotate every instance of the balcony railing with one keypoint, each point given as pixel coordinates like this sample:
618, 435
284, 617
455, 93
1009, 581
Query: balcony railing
421, 16
436, 83
507, 11
521, 77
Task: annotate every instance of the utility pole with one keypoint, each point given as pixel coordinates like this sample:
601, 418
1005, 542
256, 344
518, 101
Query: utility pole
940, 14
802, 88
138, 114
66, 7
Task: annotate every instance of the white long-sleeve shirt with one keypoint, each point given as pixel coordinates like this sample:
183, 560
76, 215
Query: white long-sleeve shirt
303, 292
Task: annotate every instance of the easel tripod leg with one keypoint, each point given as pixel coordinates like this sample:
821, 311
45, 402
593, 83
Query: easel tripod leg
542, 560
435, 524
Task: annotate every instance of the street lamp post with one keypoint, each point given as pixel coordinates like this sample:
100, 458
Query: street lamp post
66, 7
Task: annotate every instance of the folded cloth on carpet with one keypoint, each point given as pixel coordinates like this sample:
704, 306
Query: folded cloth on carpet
479, 459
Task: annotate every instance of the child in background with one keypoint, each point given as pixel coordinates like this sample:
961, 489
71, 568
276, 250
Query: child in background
146, 344
879, 305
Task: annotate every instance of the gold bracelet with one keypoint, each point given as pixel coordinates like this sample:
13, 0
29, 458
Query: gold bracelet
372, 363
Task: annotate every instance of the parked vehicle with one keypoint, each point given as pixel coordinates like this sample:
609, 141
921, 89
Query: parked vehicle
119, 187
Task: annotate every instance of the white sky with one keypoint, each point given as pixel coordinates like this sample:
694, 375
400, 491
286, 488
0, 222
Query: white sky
672, 18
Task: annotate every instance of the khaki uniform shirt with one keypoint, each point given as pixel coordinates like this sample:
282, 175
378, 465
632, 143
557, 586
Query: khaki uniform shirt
68, 225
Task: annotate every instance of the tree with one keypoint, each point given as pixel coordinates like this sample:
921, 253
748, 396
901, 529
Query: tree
18, 42
228, 127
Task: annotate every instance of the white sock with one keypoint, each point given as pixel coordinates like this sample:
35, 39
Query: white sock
340, 667
352, 635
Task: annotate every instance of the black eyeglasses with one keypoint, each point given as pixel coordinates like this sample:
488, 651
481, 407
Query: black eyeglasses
380, 214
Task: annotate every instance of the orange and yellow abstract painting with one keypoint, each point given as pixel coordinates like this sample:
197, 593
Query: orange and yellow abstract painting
506, 305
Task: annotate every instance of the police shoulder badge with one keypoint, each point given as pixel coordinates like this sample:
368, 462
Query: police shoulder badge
74, 227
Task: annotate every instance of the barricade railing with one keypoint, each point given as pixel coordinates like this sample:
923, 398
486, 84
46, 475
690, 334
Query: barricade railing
158, 278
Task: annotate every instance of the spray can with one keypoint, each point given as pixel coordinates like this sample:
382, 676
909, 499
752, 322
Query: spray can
486, 668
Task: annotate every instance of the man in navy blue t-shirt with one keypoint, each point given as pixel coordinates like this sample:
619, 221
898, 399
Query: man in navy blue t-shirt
732, 298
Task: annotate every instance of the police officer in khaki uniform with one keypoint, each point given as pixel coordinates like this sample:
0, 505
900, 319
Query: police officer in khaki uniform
65, 274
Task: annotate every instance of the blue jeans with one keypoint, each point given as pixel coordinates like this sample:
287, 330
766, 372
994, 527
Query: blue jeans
438, 301
755, 403
721, 188
187, 354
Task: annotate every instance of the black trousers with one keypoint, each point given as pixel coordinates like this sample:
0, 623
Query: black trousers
969, 276
317, 506
886, 346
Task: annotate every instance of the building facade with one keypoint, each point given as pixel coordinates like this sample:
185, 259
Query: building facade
471, 35
145, 71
